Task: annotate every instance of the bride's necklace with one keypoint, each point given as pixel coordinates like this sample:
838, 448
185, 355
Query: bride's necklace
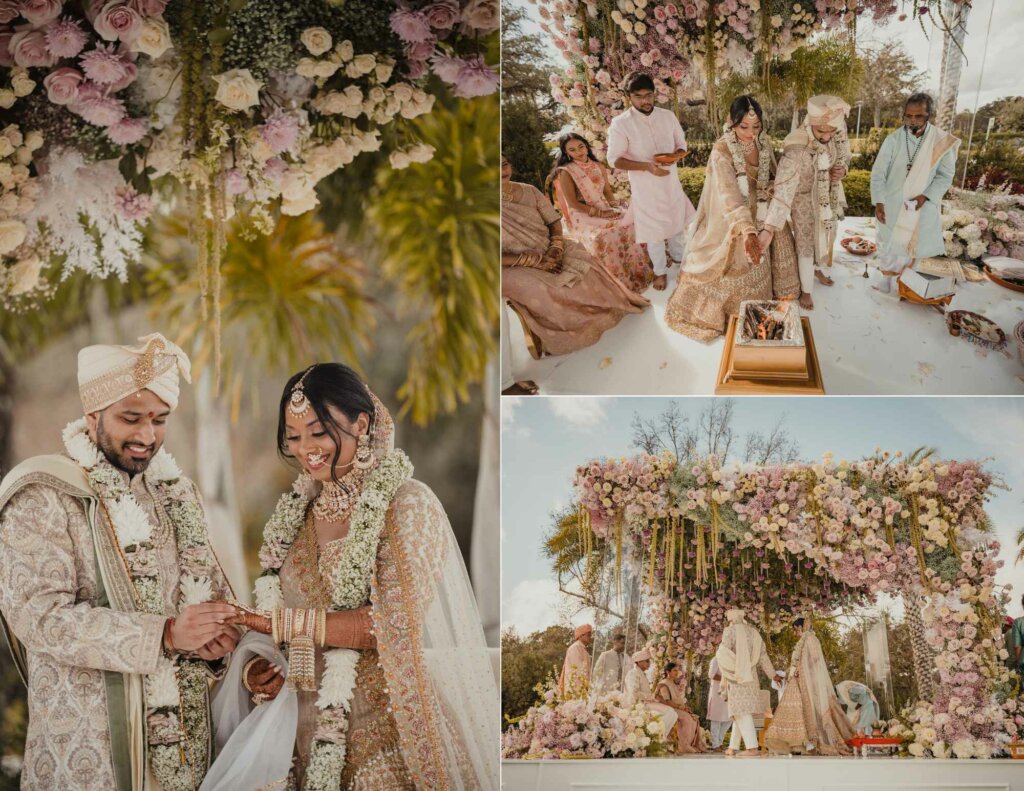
336, 499
507, 194
748, 146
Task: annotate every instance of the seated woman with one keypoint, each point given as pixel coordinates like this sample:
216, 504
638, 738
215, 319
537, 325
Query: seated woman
724, 263
565, 298
594, 218
687, 735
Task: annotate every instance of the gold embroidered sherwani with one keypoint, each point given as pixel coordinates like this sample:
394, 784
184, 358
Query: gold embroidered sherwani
52, 599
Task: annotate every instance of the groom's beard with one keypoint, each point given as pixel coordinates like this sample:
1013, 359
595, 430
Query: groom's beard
118, 455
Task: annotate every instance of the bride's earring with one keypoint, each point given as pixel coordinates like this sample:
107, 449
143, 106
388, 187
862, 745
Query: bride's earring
364, 453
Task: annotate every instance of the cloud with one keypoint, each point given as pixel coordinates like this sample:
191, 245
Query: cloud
532, 606
582, 413
509, 405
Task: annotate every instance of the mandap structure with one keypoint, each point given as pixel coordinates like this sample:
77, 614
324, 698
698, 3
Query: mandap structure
784, 540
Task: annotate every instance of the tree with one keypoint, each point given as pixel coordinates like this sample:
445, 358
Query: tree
527, 662
827, 66
711, 433
528, 113
890, 77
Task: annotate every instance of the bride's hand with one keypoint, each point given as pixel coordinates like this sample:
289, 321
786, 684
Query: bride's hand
751, 248
257, 623
264, 679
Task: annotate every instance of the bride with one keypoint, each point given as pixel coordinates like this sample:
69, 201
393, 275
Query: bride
365, 660
808, 717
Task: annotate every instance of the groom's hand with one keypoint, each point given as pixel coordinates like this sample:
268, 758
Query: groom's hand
198, 624
880, 212
220, 646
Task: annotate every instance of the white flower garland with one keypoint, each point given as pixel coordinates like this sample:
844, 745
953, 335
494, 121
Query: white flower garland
739, 162
349, 590
177, 717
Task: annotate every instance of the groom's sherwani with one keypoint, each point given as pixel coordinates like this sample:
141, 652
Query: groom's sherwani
78, 654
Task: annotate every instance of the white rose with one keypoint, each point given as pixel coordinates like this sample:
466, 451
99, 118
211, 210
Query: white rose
316, 40
295, 184
400, 160
303, 204
325, 69
345, 51
12, 234
306, 67
421, 153
154, 40
24, 276
6, 147
360, 65
9, 204
384, 70
7, 98
237, 89
23, 156
34, 140
22, 84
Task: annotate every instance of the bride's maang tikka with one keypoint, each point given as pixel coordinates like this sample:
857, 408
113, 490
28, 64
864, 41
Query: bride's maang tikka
298, 403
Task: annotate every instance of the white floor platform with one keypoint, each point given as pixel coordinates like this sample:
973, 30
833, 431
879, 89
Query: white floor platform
710, 773
868, 343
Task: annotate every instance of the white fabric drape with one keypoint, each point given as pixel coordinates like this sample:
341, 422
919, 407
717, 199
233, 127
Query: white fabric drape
255, 742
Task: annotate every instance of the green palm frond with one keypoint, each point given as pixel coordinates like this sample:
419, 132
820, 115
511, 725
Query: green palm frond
1020, 546
437, 227
291, 297
920, 454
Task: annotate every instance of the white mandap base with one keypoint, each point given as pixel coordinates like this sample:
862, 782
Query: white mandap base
781, 773
868, 343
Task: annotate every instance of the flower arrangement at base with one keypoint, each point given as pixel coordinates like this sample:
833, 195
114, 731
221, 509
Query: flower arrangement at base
979, 223
244, 106
555, 728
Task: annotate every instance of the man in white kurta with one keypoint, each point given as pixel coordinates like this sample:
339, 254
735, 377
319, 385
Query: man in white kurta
660, 207
914, 169
718, 709
739, 656
575, 679
637, 689
611, 668
86, 649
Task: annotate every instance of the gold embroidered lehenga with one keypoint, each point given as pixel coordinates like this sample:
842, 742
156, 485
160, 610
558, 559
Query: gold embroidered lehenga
716, 275
424, 713
809, 712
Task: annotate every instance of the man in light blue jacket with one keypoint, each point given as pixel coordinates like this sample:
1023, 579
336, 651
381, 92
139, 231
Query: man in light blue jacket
912, 172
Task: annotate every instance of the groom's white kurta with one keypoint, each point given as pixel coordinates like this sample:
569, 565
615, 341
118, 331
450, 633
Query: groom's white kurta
660, 208
888, 176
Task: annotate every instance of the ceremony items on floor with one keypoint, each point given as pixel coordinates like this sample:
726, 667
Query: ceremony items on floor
752, 366
975, 328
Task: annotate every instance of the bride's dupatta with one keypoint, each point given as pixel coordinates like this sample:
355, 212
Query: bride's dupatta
432, 649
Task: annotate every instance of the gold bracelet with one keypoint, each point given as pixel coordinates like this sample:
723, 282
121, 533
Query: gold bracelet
275, 625
245, 673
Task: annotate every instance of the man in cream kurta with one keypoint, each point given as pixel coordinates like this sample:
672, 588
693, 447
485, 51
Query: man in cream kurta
83, 658
914, 169
575, 679
739, 656
808, 189
718, 709
611, 668
637, 689
660, 207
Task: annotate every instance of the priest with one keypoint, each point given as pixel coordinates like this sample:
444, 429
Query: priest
575, 679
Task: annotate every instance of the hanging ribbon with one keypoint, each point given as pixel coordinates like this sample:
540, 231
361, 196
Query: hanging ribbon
654, 554
916, 537
702, 570
716, 523
618, 555
681, 525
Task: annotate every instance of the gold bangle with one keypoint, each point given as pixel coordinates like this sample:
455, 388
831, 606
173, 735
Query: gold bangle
245, 673
321, 628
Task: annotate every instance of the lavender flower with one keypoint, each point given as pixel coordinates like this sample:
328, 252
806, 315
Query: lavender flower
280, 132
65, 39
412, 27
475, 78
103, 65
101, 110
132, 205
127, 131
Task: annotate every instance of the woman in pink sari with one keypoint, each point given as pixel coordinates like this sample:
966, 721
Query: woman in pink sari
686, 736
594, 218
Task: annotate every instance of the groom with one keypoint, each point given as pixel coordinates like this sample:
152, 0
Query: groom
110, 594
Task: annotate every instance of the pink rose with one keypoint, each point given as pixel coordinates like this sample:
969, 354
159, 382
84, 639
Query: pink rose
132, 205
65, 39
6, 58
9, 10
40, 12
117, 21
411, 26
421, 50
29, 49
483, 16
443, 14
149, 7
128, 131
416, 69
62, 85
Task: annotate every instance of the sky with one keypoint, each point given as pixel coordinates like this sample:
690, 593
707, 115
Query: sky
544, 439
1001, 76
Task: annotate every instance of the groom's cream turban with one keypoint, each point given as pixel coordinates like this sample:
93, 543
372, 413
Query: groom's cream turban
827, 110
106, 374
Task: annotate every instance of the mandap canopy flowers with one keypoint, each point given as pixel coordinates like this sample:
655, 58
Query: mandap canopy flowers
244, 106
778, 540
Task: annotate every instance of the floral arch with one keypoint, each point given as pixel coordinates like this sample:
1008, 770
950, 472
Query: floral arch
779, 540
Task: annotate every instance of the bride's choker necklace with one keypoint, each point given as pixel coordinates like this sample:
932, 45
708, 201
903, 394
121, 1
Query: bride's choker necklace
337, 499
